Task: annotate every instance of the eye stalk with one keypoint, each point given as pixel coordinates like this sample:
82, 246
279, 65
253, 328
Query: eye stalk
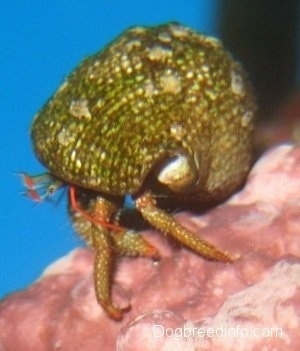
179, 174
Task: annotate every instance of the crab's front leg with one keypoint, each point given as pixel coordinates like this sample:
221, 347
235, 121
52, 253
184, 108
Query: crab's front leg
103, 263
166, 223
90, 224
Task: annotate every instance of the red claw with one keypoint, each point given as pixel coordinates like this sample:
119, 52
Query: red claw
33, 195
40, 187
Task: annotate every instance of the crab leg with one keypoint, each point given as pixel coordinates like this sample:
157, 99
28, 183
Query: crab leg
131, 243
167, 224
105, 208
98, 226
89, 224
102, 272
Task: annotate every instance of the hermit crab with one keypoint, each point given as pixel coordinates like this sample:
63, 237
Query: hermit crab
161, 115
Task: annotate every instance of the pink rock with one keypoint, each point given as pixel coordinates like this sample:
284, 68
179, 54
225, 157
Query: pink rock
183, 302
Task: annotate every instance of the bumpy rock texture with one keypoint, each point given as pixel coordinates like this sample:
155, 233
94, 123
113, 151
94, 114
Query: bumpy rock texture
260, 226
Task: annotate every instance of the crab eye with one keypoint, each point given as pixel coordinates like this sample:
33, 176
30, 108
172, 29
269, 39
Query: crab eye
179, 174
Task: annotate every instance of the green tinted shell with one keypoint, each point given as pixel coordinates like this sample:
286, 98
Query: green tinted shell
150, 95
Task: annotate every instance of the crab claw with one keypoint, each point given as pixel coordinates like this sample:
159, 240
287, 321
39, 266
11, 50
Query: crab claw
40, 187
33, 195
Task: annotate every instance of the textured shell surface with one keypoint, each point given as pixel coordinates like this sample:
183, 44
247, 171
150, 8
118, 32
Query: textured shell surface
150, 95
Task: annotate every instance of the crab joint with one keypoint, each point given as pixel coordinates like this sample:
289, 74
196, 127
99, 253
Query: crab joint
97, 220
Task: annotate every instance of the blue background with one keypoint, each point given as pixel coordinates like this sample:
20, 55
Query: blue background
41, 41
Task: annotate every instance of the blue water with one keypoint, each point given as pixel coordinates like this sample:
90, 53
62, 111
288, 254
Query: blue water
41, 41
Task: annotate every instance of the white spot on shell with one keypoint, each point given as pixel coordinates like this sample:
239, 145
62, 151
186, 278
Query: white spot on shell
165, 37
205, 68
102, 156
190, 75
65, 138
138, 66
149, 89
159, 53
134, 43
78, 163
246, 118
214, 42
170, 83
177, 131
138, 30
237, 83
211, 94
100, 102
73, 155
125, 63
79, 109
63, 86
178, 31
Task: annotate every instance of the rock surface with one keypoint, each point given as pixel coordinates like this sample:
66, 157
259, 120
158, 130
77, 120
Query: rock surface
183, 302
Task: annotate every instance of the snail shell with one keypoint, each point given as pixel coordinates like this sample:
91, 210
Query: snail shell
163, 101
